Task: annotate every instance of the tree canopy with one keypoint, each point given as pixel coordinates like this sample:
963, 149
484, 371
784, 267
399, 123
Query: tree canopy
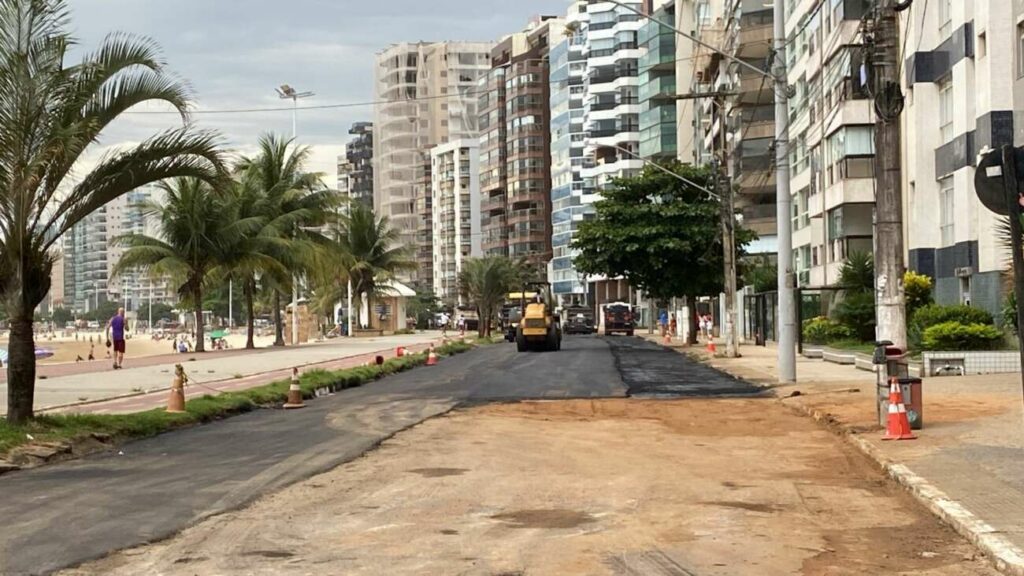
661, 234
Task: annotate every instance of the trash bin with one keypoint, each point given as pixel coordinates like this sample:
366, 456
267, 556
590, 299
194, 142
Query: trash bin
911, 390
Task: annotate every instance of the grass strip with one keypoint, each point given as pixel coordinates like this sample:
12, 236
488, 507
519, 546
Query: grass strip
121, 427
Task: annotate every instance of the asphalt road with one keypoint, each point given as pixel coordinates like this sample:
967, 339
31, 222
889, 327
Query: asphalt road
65, 514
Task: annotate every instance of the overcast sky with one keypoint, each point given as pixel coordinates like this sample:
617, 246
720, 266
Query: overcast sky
235, 52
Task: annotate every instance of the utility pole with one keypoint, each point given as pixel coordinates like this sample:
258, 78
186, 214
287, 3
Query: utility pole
723, 189
882, 48
783, 204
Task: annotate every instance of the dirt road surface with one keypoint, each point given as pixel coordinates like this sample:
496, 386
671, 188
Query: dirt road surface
617, 486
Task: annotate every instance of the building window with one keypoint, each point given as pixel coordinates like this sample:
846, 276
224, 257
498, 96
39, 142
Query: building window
1020, 50
945, 18
946, 110
947, 214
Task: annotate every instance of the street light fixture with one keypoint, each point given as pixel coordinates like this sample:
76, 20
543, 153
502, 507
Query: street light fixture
286, 92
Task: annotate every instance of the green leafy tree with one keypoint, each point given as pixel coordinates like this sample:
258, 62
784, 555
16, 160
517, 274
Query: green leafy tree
485, 283
662, 235
294, 203
105, 311
857, 309
424, 306
54, 113
195, 223
61, 316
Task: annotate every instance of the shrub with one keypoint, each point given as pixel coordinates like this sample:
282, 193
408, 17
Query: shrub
933, 314
857, 313
958, 336
1010, 313
917, 290
821, 330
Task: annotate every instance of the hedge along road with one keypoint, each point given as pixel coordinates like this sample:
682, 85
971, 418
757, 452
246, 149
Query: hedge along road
65, 514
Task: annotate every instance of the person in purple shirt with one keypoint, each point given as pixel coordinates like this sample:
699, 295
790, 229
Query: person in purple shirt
115, 334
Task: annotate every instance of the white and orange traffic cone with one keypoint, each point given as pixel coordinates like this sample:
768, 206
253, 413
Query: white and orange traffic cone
431, 356
667, 338
711, 346
898, 427
176, 400
294, 392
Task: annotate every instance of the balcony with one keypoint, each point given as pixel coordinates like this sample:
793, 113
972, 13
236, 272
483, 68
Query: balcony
663, 87
755, 41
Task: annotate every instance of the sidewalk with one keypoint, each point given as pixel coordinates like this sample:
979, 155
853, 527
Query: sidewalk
217, 371
967, 464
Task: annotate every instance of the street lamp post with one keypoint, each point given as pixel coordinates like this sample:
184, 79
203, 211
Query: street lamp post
286, 92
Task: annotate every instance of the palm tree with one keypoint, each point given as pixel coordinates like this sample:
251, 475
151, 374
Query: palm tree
251, 255
53, 113
368, 251
196, 226
486, 282
293, 202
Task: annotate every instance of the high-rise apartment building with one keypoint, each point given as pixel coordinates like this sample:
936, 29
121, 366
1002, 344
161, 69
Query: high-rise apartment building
659, 132
455, 205
359, 157
831, 134
568, 92
91, 254
737, 127
515, 115
426, 95
964, 83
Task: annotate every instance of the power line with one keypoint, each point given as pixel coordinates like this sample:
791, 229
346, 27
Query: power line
317, 107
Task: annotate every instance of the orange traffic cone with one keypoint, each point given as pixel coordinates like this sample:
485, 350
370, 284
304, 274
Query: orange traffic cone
899, 425
667, 339
399, 352
176, 401
711, 346
294, 392
431, 356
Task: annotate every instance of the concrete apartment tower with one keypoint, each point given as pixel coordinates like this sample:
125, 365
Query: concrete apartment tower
359, 156
515, 119
964, 83
831, 135
739, 129
455, 206
426, 93
90, 255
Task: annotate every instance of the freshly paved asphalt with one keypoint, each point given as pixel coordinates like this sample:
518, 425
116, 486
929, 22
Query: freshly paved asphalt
61, 515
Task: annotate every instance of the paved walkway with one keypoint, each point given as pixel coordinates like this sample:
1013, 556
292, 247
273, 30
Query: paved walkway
217, 370
971, 447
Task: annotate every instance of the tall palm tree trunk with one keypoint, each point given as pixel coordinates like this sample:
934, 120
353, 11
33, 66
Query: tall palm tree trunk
21, 368
278, 326
197, 294
251, 321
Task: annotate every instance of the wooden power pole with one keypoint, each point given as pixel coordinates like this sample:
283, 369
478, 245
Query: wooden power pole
882, 53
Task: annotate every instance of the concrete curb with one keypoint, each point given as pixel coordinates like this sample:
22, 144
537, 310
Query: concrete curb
1006, 557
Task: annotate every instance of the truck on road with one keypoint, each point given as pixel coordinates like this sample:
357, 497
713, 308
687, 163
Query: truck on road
618, 318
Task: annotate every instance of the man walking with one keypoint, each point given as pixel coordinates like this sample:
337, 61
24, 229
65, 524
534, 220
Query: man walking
116, 325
